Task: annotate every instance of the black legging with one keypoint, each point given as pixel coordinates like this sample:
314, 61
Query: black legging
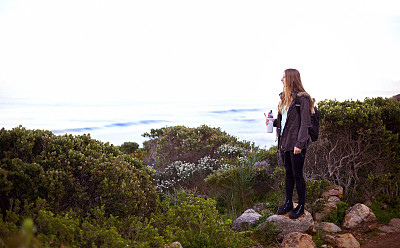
294, 175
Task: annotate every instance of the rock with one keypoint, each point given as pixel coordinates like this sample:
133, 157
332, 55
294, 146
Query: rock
334, 190
392, 227
346, 240
368, 203
342, 240
246, 220
298, 240
303, 224
327, 208
333, 198
327, 227
395, 222
360, 218
388, 229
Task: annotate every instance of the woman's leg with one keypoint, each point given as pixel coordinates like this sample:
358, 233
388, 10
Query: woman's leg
289, 184
289, 176
297, 161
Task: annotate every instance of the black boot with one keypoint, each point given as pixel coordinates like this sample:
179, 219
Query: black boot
286, 207
297, 212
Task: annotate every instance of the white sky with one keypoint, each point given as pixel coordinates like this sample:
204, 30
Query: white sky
93, 50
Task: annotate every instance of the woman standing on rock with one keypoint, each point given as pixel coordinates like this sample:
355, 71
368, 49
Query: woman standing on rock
292, 130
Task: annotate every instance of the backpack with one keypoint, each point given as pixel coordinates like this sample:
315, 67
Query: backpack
313, 131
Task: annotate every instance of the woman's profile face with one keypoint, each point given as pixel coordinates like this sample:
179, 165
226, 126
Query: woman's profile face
283, 79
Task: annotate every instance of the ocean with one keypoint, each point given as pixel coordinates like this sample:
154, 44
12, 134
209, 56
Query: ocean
117, 122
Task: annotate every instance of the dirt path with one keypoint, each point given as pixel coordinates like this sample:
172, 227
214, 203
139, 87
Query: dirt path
383, 241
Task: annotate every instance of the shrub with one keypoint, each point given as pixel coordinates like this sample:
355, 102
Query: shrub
359, 142
184, 175
195, 222
129, 147
72, 172
266, 235
239, 185
180, 143
384, 213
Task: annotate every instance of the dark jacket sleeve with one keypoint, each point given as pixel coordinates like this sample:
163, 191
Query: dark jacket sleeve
303, 138
275, 124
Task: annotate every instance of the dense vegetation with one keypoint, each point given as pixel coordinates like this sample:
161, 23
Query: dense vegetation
186, 184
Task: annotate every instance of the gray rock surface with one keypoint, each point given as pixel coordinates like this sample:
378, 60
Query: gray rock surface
246, 220
304, 224
327, 227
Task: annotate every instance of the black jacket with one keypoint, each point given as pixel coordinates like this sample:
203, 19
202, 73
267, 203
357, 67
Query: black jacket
295, 132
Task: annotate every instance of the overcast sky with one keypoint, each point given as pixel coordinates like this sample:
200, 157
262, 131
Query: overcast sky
93, 50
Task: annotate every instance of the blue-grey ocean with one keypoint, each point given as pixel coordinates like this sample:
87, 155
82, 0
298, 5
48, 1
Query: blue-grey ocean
117, 122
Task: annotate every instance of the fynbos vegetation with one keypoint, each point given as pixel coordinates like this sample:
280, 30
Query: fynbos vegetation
185, 183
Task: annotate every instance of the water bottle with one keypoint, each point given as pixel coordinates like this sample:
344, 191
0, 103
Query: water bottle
270, 126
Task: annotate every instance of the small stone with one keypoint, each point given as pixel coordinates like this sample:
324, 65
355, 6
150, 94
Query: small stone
333, 198
395, 222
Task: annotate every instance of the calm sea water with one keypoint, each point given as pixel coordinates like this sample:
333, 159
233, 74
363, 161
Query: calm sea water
119, 122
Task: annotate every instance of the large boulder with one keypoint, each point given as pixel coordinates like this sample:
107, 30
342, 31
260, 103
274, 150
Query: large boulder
346, 240
298, 240
303, 224
360, 218
246, 220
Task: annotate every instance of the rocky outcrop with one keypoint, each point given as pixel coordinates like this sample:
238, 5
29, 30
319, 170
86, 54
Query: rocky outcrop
334, 190
304, 224
246, 220
346, 240
331, 196
298, 240
360, 218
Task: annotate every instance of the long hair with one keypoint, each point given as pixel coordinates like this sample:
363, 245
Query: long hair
293, 84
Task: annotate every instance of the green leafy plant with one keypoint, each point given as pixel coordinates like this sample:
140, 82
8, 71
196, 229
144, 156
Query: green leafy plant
266, 235
337, 216
72, 172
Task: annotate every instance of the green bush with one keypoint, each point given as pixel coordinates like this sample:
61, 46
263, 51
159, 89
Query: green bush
384, 213
129, 147
238, 186
195, 222
72, 172
180, 143
266, 235
359, 143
